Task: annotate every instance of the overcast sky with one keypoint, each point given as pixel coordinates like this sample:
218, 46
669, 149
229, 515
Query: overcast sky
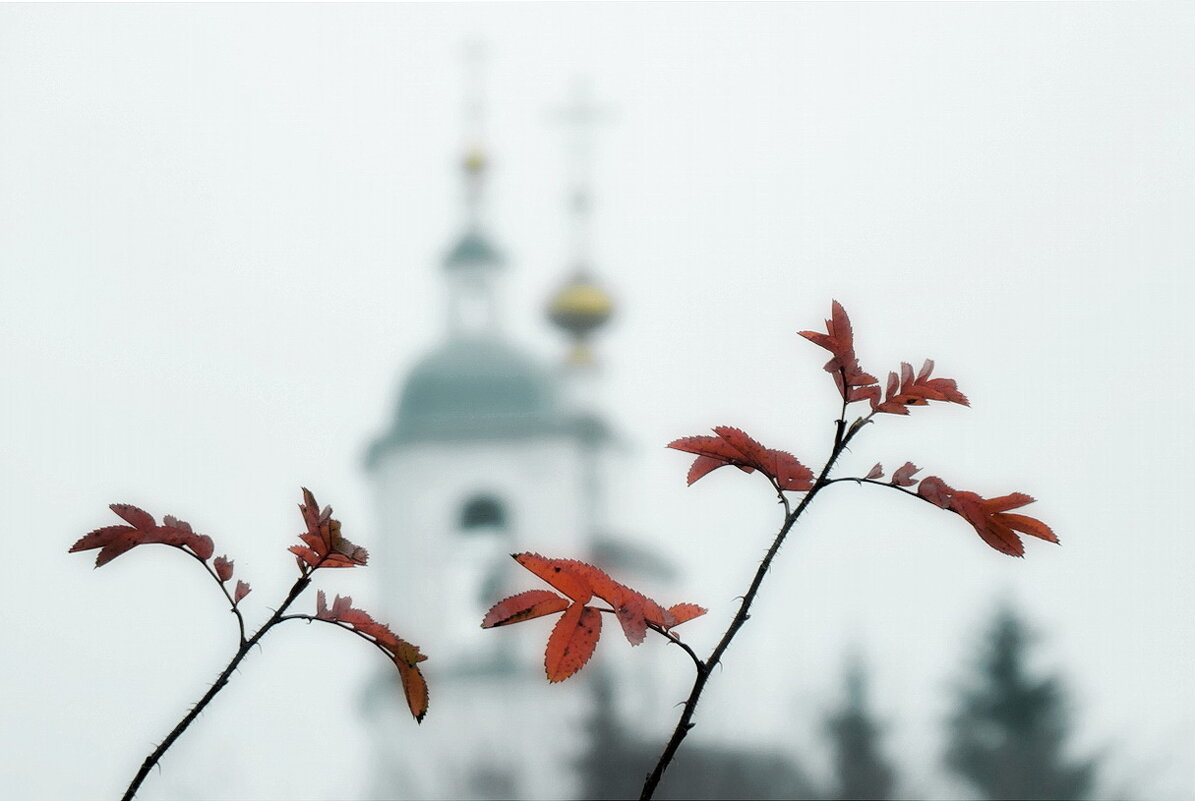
219, 231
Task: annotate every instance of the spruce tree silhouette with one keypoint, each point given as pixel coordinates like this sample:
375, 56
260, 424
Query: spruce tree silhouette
861, 771
1009, 732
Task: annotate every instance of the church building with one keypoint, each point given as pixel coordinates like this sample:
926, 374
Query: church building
490, 453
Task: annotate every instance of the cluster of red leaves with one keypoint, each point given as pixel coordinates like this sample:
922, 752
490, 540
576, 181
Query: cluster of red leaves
907, 389
142, 529
733, 447
917, 390
325, 547
575, 635
406, 656
839, 339
990, 517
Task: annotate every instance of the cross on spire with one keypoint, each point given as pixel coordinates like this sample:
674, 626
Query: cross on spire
475, 58
580, 116
474, 159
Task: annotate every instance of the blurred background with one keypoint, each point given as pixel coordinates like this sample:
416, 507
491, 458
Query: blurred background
464, 270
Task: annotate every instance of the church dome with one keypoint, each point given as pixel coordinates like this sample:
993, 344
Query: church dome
580, 306
472, 388
473, 249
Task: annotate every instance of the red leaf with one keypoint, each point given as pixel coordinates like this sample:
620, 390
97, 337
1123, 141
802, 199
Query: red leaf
115, 540
790, 474
870, 393
405, 656
702, 465
138, 518
326, 546
1029, 525
903, 477
989, 516
936, 491
875, 472
241, 591
524, 606
839, 339
572, 641
732, 446
1006, 502
748, 450
716, 451
223, 566
917, 390
178, 532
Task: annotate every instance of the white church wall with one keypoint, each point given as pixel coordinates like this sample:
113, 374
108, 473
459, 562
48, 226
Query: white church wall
495, 726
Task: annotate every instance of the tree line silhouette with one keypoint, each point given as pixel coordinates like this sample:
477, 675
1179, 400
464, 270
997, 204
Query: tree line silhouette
1008, 737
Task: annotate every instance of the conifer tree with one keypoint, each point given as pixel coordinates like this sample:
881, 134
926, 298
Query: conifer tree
1009, 733
861, 770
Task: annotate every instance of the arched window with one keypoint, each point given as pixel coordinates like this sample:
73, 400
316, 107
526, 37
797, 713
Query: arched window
481, 513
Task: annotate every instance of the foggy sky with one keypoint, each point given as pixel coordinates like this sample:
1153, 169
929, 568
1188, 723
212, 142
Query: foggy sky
219, 231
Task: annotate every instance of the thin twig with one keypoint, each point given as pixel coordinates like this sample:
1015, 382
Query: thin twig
842, 437
675, 640
877, 483
217, 686
340, 624
224, 589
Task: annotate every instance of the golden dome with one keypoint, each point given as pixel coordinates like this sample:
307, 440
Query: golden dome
580, 306
475, 160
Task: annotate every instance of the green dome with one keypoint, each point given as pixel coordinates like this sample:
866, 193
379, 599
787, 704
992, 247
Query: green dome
472, 388
473, 249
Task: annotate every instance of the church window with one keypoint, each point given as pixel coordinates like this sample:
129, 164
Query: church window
482, 513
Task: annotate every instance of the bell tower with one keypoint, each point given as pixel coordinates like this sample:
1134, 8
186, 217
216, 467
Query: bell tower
480, 459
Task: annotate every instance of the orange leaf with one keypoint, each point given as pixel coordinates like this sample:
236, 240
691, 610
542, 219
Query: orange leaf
524, 606
682, 613
572, 641
581, 582
633, 611
560, 573
405, 656
414, 687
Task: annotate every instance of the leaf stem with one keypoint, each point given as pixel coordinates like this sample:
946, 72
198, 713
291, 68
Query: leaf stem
340, 624
675, 640
301, 584
224, 589
877, 483
663, 632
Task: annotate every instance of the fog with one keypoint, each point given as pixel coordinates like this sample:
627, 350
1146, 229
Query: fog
221, 235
